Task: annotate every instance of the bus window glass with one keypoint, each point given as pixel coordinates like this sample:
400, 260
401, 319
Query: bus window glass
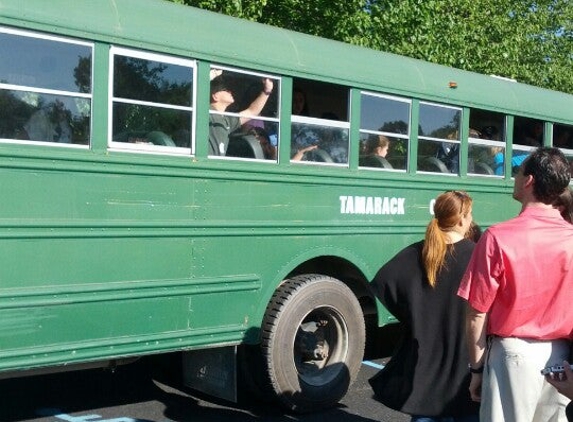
439, 138
244, 114
45, 63
384, 131
486, 143
165, 83
320, 122
45, 89
152, 101
527, 135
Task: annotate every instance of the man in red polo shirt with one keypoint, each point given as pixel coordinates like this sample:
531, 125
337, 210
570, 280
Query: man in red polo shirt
518, 285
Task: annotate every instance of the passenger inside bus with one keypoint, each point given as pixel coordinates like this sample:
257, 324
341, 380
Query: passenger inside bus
299, 103
221, 125
264, 139
449, 153
375, 152
530, 134
304, 138
299, 154
527, 132
562, 137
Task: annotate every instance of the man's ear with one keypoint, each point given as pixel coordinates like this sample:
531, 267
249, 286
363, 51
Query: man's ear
528, 180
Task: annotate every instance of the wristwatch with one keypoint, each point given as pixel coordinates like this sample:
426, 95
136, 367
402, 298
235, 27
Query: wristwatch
475, 370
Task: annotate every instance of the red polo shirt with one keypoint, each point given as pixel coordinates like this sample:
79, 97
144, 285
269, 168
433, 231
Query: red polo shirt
521, 274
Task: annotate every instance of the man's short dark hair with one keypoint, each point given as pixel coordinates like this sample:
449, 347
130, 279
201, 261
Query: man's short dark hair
218, 84
550, 171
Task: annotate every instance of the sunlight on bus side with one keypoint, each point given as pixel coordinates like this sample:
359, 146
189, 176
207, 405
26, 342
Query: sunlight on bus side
175, 180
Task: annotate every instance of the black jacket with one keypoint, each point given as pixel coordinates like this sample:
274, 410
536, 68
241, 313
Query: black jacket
428, 373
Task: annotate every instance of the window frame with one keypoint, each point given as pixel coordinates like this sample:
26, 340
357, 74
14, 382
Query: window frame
439, 141
49, 91
406, 136
112, 100
275, 120
489, 143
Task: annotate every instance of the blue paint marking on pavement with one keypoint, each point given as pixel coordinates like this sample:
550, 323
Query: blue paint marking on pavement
372, 364
85, 418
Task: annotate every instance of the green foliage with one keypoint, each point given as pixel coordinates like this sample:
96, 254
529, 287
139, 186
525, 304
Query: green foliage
530, 41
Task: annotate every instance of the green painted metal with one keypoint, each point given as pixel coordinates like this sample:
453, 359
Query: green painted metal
106, 254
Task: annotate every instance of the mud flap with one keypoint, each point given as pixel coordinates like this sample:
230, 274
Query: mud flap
212, 371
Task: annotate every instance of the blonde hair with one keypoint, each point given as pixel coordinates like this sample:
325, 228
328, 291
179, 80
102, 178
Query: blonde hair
449, 208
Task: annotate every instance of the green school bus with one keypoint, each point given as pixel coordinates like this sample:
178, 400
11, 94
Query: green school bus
174, 180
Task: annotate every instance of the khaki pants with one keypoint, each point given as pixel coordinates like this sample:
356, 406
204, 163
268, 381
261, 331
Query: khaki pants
513, 388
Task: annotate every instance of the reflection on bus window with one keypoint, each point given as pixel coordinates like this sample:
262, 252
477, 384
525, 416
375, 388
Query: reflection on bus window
320, 122
319, 141
439, 138
243, 117
152, 100
527, 135
384, 132
486, 143
30, 66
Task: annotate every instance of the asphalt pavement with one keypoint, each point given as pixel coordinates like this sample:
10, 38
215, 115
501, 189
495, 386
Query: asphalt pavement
151, 390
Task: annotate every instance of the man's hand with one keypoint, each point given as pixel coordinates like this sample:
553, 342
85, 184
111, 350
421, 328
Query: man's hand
563, 381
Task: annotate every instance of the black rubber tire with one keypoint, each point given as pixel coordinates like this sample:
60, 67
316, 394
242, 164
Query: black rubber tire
307, 311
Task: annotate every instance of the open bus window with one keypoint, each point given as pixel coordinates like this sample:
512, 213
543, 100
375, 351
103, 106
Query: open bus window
486, 143
563, 136
152, 101
439, 138
31, 66
384, 131
527, 135
244, 114
563, 139
320, 122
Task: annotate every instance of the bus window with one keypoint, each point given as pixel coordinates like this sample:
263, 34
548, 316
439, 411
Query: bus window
439, 138
45, 89
320, 122
563, 136
486, 143
152, 103
384, 131
527, 134
563, 139
244, 114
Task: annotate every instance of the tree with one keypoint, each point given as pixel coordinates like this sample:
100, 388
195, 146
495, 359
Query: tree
530, 41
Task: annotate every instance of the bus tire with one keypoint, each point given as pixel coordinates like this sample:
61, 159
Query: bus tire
312, 341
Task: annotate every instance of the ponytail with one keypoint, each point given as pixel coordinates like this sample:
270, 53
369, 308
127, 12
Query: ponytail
434, 251
449, 208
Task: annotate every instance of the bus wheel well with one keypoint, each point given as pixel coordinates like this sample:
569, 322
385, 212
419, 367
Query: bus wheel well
344, 271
